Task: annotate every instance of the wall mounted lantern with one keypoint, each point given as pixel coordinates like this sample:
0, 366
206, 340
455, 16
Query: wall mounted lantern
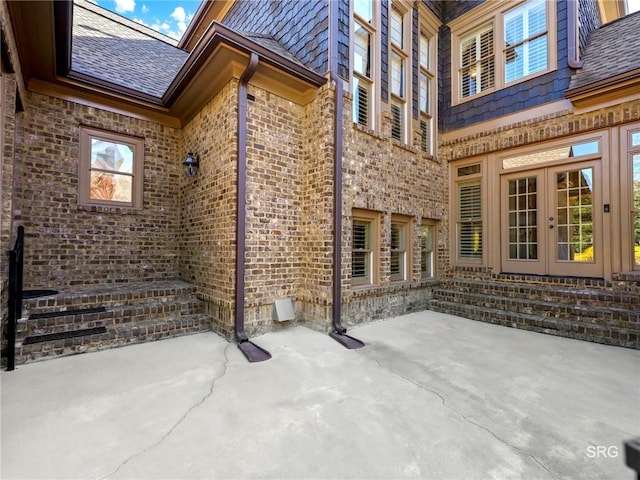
191, 164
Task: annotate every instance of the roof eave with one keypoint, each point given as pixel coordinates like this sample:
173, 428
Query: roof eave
619, 86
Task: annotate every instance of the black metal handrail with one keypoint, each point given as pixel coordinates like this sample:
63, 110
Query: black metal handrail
16, 262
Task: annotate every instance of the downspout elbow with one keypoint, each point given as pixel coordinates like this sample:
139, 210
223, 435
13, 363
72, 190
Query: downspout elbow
573, 50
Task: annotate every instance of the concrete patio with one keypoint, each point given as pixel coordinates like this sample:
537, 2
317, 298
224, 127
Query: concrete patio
430, 396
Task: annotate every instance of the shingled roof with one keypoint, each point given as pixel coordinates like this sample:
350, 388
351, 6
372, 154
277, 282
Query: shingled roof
114, 49
611, 50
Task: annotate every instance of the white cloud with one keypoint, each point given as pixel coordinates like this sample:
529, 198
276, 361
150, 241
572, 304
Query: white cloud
145, 9
179, 14
123, 6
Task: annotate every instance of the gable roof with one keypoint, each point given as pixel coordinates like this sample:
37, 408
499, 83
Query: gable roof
112, 48
612, 50
105, 60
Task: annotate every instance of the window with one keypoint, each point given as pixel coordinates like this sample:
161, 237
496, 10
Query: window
399, 28
635, 193
470, 220
364, 257
507, 42
467, 202
111, 169
425, 86
400, 248
363, 65
427, 245
525, 39
477, 70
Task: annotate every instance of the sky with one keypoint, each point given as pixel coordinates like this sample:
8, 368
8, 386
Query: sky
169, 17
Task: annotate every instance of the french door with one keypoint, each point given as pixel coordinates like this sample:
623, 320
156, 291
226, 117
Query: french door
551, 221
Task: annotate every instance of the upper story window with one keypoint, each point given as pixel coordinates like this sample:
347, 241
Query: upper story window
111, 169
426, 92
399, 66
364, 70
507, 42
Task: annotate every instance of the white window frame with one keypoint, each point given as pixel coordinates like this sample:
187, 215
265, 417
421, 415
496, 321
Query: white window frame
428, 257
492, 14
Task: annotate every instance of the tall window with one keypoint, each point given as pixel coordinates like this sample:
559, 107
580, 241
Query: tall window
364, 41
425, 101
469, 212
111, 169
427, 255
364, 247
477, 69
399, 26
400, 248
525, 39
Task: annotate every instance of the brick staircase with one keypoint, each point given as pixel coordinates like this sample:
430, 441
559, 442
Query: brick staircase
584, 309
90, 319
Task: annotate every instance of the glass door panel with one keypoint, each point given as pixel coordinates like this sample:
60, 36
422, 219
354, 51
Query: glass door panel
636, 206
574, 220
523, 249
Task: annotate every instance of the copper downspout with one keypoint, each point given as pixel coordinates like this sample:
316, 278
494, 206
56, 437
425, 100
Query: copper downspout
253, 352
339, 332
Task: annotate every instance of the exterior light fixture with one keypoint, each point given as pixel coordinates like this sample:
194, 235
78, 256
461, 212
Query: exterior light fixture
191, 164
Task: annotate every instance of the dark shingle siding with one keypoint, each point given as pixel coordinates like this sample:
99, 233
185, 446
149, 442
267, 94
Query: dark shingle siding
343, 38
109, 50
619, 37
589, 20
300, 27
415, 67
384, 50
534, 92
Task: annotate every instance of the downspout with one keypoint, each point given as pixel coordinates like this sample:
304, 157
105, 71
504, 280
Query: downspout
339, 332
573, 50
253, 352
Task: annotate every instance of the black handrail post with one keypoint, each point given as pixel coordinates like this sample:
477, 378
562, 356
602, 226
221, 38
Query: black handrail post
16, 264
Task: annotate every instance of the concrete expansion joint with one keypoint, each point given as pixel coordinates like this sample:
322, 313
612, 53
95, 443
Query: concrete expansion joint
181, 419
459, 413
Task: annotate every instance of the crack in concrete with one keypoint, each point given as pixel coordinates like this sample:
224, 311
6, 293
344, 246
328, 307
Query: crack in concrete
180, 420
468, 420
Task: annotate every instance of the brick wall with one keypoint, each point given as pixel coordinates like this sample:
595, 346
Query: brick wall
383, 175
8, 125
208, 207
70, 245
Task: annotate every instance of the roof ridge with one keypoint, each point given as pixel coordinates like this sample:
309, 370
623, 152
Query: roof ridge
140, 28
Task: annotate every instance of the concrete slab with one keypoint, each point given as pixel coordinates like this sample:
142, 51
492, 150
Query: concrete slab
430, 396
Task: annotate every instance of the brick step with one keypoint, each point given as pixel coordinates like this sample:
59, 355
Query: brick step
49, 322
114, 336
576, 295
607, 315
592, 332
105, 295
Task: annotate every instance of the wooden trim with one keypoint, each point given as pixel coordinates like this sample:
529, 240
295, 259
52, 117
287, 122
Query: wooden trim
373, 217
435, 226
84, 167
407, 224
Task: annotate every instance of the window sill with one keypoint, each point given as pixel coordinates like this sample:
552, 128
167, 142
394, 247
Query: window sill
109, 209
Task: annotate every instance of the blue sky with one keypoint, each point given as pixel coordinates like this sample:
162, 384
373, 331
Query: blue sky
170, 17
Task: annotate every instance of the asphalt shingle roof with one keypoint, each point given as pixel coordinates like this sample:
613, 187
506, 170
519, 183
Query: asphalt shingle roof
611, 50
114, 49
